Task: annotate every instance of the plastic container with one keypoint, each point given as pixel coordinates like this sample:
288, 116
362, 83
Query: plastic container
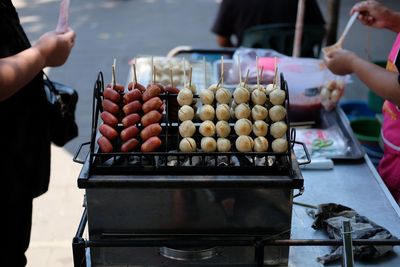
357, 109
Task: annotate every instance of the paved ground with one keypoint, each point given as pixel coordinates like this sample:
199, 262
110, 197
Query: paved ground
122, 29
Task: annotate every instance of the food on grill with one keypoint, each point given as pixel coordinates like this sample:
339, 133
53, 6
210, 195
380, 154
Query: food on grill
130, 120
242, 111
207, 112
223, 144
154, 103
129, 145
223, 129
271, 87
259, 112
105, 145
111, 94
258, 97
110, 106
243, 127
260, 144
208, 144
278, 129
116, 87
150, 118
241, 95
150, 131
108, 131
128, 133
132, 95
186, 113
207, 128
185, 97
223, 95
152, 91
171, 90
277, 113
132, 107
244, 143
279, 145
187, 129
187, 144
151, 144
260, 128
277, 97
135, 85
214, 87
109, 118
191, 87
223, 112
207, 97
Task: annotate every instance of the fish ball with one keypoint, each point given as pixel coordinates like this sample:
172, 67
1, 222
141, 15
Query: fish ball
242, 111
207, 128
279, 145
223, 129
243, 127
241, 95
207, 112
223, 112
185, 97
207, 97
186, 113
223, 145
259, 112
277, 97
261, 144
187, 129
278, 129
223, 96
208, 144
277, 113
244, 143
187, 144
258, 97
260, 128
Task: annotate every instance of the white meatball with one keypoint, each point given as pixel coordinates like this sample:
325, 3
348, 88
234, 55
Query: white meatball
191, 87
244, 143
258, 97
187, 144
260, 144
243, 127
241, 95
185, 97
277, 97
223, 96
186, 113
223, 129
277, 113
223, 145
214, 87
259, 112
207, 113
335, 95
208, 144
223, 112
270, 87
278, 129
279, 145
242, 111
207, 128
207, 97
187, 129
260, 128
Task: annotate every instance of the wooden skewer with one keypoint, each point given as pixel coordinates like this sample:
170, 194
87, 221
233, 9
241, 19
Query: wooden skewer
171, 77
154, 74
113, 80
134, 72
275, 71
219, 82
205, 72
240, 71
258, 73
261, 74
222, 70
247, 77
184, 70
190, 76
152, 69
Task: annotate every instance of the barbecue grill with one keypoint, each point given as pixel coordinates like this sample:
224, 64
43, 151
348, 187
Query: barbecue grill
169, 208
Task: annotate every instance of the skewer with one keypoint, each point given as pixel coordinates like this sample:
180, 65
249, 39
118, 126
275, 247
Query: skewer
113, 80
184, 71
171, 77
247, 77
152, 69
261, 74
205, 72
190, 77
258, 73
154, 74
219, 82
240, 71
275, 71
222, 70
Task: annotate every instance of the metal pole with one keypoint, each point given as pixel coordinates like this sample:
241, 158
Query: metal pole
348, 259
299, 28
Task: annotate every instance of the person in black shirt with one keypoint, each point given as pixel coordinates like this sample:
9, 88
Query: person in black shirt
235, 16
24, 135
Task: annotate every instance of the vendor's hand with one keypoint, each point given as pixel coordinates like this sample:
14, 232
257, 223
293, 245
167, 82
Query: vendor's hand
374, 14
340, 61
55, 47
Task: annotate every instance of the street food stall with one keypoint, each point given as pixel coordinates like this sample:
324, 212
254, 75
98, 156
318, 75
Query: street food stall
215, 176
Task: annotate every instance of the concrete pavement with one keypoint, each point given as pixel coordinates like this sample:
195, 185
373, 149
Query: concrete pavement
122, 29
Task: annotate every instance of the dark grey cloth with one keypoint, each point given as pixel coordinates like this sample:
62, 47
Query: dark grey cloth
329, 217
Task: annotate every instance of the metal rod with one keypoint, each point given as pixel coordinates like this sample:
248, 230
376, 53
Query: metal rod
348, 259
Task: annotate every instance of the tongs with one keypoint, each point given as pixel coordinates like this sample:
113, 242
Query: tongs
339, 43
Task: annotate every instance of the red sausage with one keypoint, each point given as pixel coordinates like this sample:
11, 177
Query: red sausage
112, 95
172, 90
130, 120
128, 133
105, 145
151, 130
129, 145
133, 95
132, 107
108, 131
110, 107
153, 104
151, 144
118, 87
151, 91
151, 117
136, 86
109, 118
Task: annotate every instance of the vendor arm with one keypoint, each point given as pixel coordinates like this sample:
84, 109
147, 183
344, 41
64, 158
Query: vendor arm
52, 49
378, 79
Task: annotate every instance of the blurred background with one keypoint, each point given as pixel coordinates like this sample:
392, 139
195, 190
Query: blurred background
123, 29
